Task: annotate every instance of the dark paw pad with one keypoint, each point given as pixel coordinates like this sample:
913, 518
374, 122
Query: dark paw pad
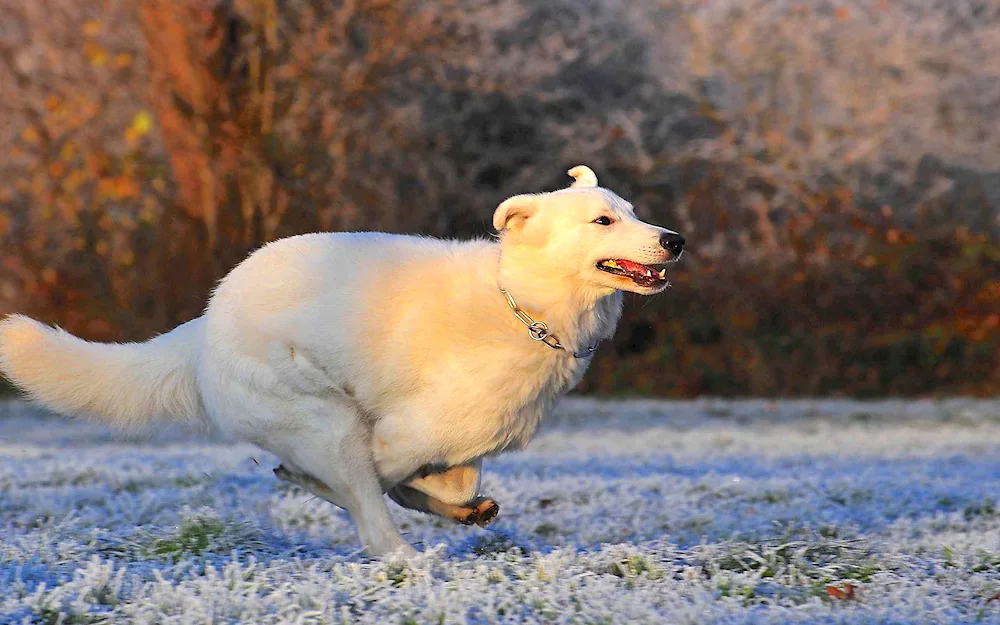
485, 510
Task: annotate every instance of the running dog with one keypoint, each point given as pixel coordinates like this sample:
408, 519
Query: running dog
374, 364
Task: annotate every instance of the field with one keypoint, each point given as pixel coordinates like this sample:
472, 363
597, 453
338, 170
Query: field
619, 512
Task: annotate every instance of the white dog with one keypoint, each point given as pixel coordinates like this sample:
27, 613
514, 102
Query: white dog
373, 363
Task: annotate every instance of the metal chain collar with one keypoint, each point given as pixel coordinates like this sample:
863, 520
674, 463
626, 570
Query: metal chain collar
539, 331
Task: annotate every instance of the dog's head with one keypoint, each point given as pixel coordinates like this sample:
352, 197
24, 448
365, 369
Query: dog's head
589, 235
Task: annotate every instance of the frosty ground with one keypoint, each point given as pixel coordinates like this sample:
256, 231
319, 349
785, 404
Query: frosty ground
619, 512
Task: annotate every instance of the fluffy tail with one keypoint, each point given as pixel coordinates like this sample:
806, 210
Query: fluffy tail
125, 385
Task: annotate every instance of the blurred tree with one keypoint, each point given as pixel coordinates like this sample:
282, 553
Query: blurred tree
263, 110
843, 225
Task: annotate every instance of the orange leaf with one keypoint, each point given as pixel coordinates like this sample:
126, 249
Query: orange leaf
126, 187
105, 188
57, 169
30, 134
837, 593
92, 28
68, 151
97, 54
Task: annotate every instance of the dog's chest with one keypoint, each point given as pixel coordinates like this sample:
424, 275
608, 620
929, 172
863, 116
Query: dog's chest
508, 411
484, 396
563, 373
472, 412
529, 383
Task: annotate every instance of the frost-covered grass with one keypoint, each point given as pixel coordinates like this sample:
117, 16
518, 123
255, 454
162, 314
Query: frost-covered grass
619, 512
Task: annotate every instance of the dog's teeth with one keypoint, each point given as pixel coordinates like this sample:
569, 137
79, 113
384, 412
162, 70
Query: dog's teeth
649, 274
663, 274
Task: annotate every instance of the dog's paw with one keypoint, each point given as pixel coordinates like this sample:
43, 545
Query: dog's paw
484, 510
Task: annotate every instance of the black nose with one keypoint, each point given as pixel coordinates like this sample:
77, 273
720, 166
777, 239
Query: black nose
672, 242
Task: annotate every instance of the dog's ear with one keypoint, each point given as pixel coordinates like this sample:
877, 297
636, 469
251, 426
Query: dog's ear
583, 176
514, 211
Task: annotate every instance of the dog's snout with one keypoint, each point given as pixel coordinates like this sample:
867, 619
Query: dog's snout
672, 242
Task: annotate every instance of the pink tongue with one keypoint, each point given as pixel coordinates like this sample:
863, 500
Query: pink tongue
632, 267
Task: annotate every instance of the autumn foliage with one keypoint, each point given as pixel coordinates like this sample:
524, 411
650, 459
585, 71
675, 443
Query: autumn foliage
833, 166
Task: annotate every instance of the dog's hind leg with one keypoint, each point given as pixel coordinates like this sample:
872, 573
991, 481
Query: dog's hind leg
335, 464
452, 493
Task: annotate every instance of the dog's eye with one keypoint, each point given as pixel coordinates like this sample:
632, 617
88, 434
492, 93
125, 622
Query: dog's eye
603, 221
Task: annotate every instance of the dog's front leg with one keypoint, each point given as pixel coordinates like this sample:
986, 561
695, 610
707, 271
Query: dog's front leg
452, 494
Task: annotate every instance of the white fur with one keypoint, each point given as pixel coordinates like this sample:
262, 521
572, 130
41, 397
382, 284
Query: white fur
359, 358
126, 385
583, 176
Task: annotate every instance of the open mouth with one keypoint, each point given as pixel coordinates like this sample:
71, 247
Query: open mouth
643, 275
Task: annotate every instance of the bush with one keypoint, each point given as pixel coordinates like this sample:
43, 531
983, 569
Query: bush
835, 166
